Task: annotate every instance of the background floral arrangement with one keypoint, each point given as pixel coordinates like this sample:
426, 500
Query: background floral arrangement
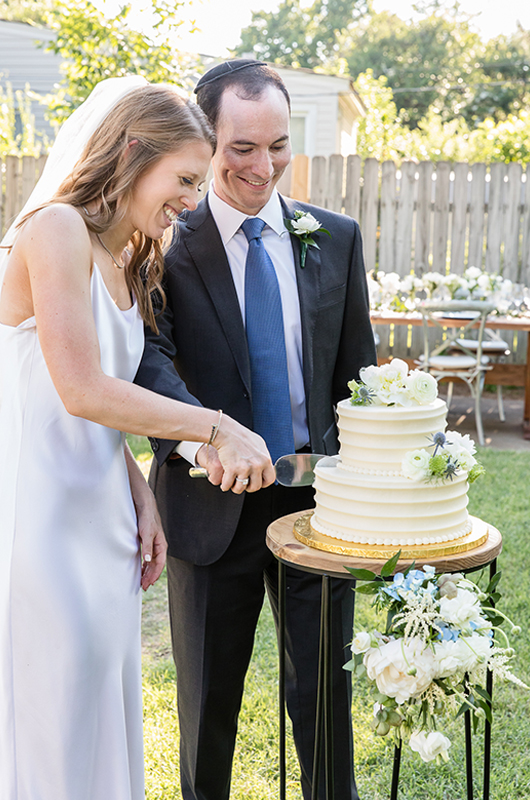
390, 291
431, 659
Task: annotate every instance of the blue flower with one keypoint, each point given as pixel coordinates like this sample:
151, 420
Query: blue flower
446, 633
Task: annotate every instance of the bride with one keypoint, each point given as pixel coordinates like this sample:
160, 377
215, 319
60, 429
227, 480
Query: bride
79, 530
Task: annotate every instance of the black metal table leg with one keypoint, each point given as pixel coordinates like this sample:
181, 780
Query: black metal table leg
487, 725
395, 771
469, 755
281, 668
328, 687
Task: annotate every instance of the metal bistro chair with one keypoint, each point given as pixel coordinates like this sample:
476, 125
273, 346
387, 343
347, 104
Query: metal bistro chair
451, 358
496, 349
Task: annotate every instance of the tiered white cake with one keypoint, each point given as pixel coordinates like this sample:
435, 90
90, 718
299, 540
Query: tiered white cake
368, 498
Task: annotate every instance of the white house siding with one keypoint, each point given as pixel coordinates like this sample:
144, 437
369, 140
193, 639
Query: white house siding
330, 107
21, 62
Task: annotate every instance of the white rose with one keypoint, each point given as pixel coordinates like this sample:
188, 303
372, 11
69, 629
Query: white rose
372, 377
394, 394
395, 370
390, 283
422, 387
455, 442
415, 465
435, 278
374, 290
472, 650
484, 282
430, 745
306, 224
461, 610
361, 642
448, 658
390, 664
472, 273
466, 460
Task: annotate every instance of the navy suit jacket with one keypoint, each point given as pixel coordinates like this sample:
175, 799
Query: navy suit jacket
200, 356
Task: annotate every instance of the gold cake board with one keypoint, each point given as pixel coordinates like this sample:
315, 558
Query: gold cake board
309, 536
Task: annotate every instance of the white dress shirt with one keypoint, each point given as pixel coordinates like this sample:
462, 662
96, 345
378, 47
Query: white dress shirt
278, 245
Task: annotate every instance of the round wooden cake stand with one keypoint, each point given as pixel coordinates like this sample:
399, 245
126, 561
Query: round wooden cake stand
285, 546
289, 551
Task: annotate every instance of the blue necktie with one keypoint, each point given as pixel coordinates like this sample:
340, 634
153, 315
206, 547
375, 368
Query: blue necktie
271, 403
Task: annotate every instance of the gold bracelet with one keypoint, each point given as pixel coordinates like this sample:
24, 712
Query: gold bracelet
215, 428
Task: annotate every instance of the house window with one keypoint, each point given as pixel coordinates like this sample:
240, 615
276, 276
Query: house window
298, 134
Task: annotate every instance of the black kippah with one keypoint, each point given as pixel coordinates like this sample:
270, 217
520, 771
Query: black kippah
227, 67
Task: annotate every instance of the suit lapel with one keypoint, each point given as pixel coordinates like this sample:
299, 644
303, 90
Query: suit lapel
308, 280
206, 249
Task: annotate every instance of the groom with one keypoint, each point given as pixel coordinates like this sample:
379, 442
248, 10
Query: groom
250, 330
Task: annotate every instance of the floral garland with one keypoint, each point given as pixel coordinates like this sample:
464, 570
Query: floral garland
431, 659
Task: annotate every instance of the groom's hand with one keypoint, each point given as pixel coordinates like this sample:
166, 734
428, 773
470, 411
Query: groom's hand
207, 457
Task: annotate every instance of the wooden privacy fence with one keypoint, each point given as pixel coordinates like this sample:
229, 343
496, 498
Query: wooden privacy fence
428, 217
421, 216
18, 176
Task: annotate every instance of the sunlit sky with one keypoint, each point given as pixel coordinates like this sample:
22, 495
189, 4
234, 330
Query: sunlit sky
220, 21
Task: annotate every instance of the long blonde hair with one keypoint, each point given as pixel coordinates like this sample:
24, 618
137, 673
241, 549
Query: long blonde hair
160, 122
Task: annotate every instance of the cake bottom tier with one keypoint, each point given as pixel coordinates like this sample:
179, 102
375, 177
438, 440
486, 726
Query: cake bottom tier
389, 510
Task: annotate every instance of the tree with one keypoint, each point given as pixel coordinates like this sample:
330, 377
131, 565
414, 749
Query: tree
31, 11
298, 35
95, 47
506, 68
427, 62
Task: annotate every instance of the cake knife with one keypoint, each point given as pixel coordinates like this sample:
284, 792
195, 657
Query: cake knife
296, 469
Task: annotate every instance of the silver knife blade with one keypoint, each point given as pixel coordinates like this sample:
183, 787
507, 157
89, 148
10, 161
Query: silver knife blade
293, 470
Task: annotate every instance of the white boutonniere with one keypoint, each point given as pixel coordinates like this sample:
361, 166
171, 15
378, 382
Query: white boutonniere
304, 225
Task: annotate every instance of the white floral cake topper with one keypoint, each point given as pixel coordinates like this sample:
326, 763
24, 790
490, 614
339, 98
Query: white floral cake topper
303, 226
392, 385
431, 659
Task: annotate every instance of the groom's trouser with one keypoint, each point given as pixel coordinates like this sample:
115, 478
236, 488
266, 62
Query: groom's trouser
214, 611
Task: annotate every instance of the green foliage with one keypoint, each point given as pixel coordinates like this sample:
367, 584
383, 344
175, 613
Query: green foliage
382, 135
425, 61
95, 47
300, 35
31, 11
12, 142
506, 66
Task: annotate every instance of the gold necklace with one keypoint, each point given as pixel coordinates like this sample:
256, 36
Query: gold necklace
104, 246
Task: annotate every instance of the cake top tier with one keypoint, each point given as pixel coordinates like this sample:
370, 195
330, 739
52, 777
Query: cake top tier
393, 385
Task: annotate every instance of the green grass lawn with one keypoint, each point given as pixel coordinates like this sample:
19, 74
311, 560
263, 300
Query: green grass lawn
501, 497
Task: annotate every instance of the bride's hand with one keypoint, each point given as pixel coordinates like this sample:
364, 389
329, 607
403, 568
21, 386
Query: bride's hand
244, 458
150, 531
154, 545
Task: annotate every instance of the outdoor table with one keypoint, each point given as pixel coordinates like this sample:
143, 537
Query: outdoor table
291, 552
520, 324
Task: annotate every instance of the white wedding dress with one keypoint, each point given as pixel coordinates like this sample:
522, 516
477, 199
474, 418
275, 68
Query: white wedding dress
70, 597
